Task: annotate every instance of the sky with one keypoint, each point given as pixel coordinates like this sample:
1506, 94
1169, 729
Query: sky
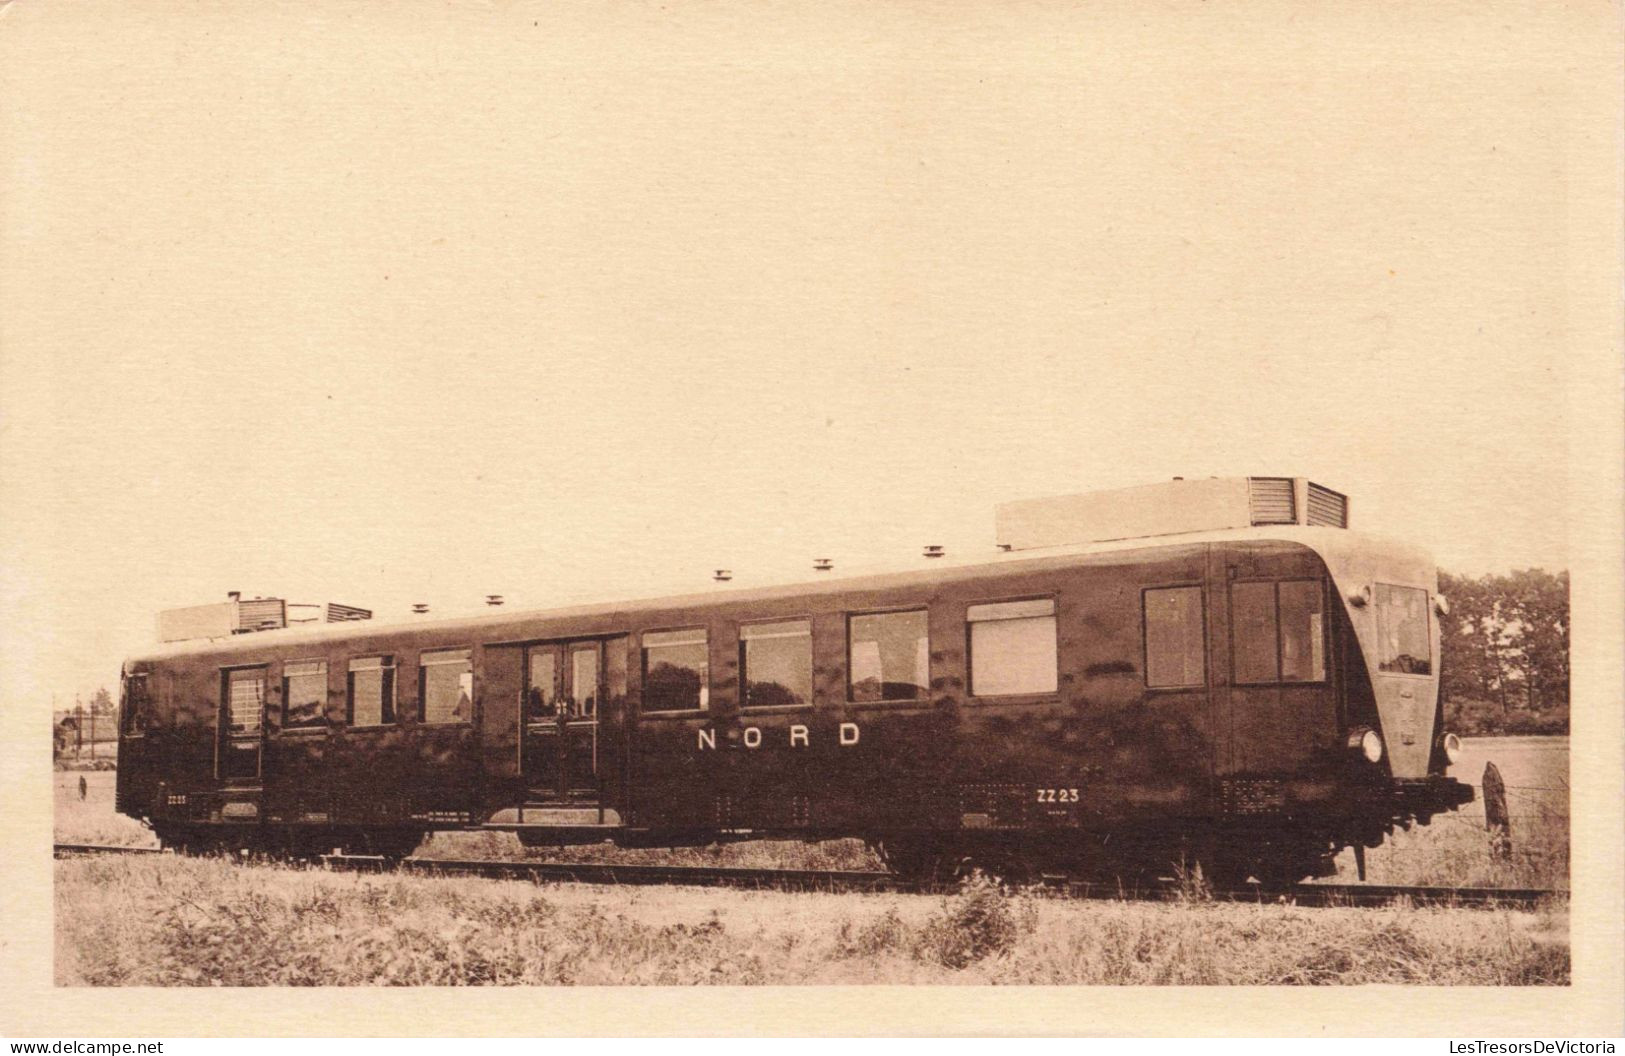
329, 303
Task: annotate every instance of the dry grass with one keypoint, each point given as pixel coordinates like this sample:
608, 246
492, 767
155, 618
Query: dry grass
93, 820
172, 921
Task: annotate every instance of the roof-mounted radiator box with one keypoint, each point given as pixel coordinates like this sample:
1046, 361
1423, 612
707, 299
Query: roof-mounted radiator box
1170, 508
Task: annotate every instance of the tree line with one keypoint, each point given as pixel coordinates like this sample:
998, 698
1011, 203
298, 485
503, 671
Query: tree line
1506, 652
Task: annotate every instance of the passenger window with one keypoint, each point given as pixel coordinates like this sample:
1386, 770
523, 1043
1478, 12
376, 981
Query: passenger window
542, 688
1175, 654
245, 699
446, 685
304, 694
775, 663
371, 691
1252, 628
1012, 648
1402, 625
1303, 631
584, 681
888, 656
675, 671
1278, 631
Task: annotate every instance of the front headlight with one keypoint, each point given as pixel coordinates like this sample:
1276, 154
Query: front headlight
1367, 742
1452, 747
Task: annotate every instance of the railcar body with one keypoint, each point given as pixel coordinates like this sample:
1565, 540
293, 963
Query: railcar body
1254, 698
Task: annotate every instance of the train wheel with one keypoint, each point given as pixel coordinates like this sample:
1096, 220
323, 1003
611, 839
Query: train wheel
1004, 868
911, 861
389, 845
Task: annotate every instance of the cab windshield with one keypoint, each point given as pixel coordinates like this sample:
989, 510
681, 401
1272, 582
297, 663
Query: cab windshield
1402, 630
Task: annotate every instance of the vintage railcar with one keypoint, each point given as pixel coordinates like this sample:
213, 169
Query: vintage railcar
1246, 683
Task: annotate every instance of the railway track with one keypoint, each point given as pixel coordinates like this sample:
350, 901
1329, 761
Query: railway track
1330, 895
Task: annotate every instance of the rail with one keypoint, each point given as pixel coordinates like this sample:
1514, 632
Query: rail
1312, 894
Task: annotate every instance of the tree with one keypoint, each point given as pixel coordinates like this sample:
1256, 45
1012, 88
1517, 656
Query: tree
1537, 608
1506, 640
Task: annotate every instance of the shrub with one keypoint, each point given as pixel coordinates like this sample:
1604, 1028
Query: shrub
982, 921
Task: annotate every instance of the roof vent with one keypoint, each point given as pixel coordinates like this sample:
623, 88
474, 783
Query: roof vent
1327, 508
722, 575
493, 600
1270, 500
934, 551
822, 564
420, 608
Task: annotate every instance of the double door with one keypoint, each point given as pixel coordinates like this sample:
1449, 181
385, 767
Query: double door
559, 716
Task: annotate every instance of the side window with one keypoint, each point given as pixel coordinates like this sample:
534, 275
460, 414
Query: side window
304, 694
676, 671
245, 699
1303, 631
1278, 631
541, 682
584, 681
888, 656
1402, 626
372, 691
775, 663
1175, 654
136, 710
1253, 632
1012, 648
446, 685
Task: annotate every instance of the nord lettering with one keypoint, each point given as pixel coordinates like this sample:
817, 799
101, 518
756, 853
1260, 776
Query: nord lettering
799, 736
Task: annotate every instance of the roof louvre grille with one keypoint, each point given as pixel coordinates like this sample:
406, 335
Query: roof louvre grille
1271, 500
1327, 508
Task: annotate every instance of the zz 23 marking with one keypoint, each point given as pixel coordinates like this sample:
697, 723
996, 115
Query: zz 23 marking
1057, 795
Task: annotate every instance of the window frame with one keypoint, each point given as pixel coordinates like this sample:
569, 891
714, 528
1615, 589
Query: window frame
473, 690
1280, 639
1054, 616
744, 671
1145, 638
388, 712
1427, 619
704, 707
305, 729
925, 695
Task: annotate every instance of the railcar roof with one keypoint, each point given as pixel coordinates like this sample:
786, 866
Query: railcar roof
1338, 546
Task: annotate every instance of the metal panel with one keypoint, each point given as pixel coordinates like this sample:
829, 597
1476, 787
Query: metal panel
197, 621
1270, 500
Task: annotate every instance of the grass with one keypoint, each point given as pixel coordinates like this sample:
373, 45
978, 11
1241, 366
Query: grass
166, 921
93, 820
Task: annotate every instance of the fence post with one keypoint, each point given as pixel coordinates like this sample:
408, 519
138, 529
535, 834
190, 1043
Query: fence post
1496, 819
